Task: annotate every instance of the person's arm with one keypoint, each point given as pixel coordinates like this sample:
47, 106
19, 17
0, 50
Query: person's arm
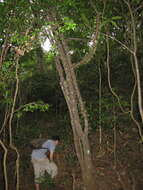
51, 156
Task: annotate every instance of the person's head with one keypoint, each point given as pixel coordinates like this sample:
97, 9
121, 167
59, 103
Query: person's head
56, 139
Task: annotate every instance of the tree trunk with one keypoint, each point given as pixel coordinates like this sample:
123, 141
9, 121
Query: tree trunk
79, 120
77, 111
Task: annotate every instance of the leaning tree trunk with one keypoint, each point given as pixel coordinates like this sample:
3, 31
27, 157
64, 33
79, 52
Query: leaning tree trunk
69, 86
78, 115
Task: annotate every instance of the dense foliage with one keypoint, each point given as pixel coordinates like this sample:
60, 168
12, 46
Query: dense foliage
108, 82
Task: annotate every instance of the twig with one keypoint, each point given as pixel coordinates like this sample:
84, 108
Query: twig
136, 66
115, 137
5, 119
132, 106
4, 49
4, 164
109, 81
118, 41
100, 96
10, 123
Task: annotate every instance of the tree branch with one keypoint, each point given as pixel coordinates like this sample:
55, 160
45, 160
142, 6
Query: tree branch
90, 54
118, 41
133, 24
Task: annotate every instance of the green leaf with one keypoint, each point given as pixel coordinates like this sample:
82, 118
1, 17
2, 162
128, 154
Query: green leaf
114, 24
116, 18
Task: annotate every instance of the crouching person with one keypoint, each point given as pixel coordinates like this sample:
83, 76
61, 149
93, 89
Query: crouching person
44, 163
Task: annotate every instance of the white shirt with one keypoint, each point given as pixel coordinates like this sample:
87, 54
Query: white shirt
41, 153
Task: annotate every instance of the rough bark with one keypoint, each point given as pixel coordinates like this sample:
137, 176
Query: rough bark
76, 107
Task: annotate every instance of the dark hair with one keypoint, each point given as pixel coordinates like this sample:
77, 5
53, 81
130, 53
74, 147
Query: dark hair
56, 138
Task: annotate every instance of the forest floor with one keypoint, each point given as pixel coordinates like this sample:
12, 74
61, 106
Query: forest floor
118, 163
